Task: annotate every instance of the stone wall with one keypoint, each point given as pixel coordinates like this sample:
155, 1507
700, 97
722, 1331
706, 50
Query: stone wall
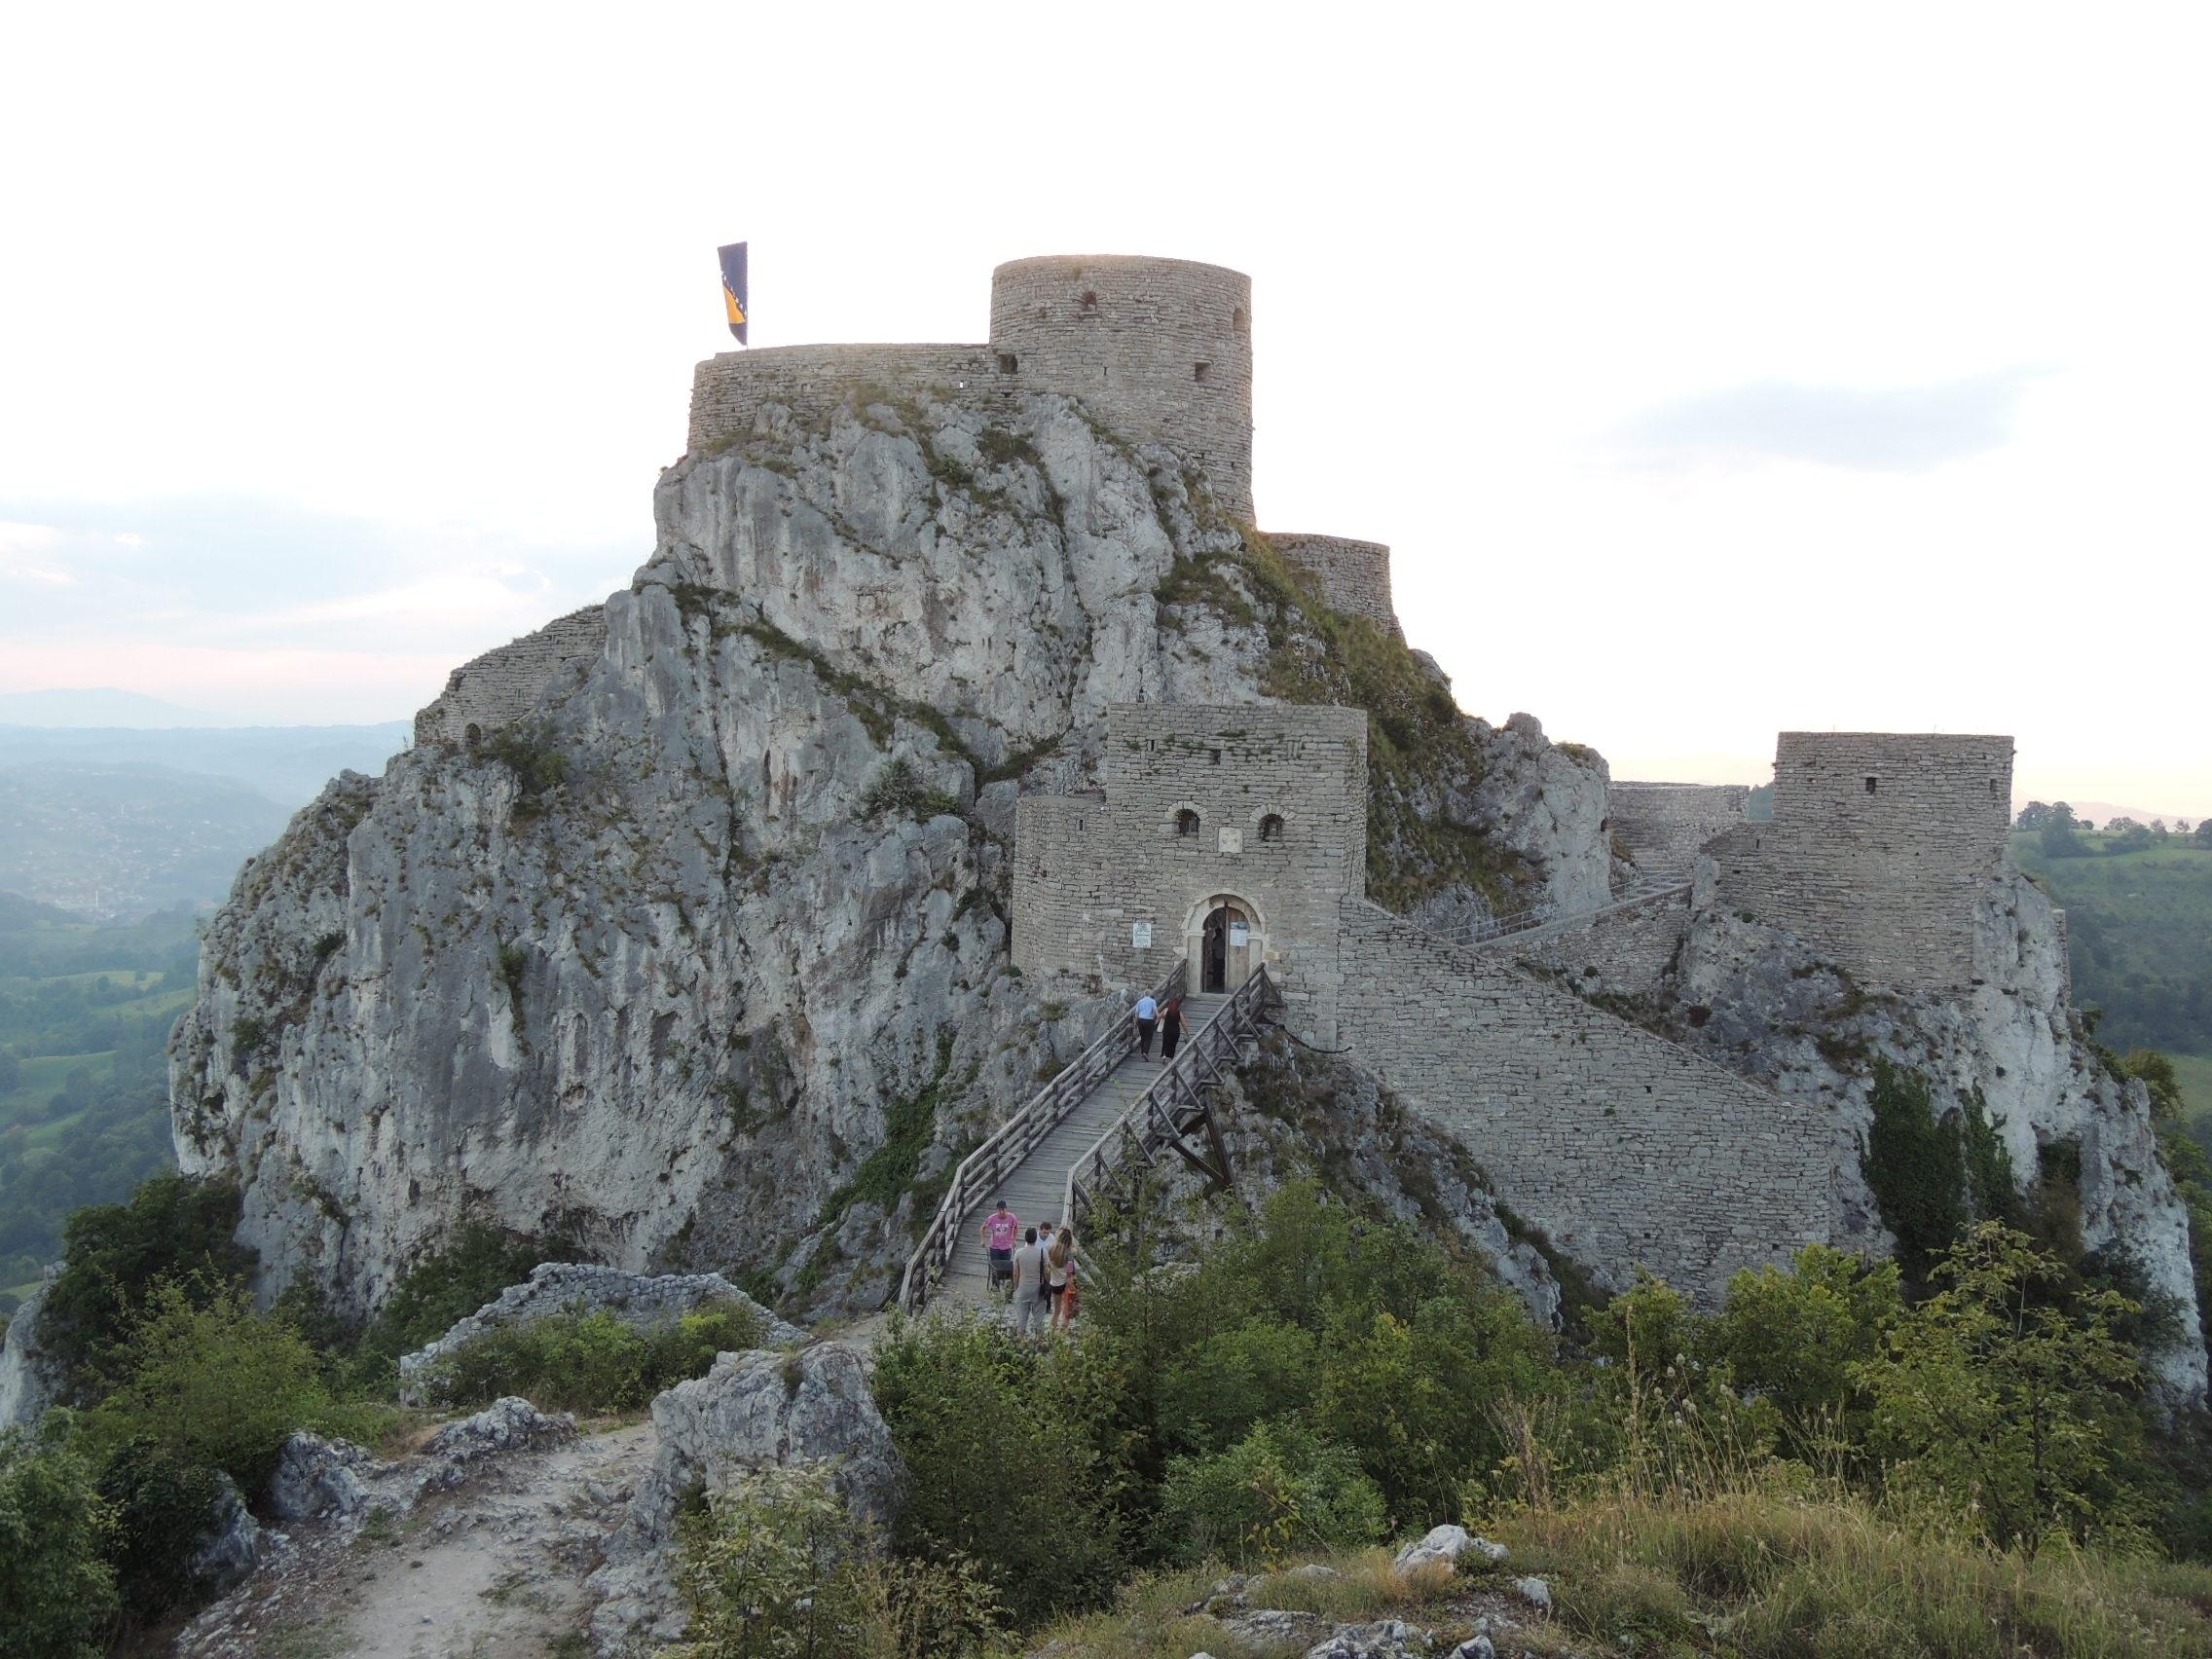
1355, 575
1880, 846
1628, 1150
1279, 796
1662, 826
503, 686
1159, 350
1621, 950
729, 388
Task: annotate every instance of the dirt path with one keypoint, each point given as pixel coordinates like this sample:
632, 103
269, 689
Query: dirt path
494, 1568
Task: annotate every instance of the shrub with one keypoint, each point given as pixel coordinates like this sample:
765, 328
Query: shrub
474, 1265
212, 1383
760, 1570
58, 1593
1280, 1490
174, 1227
1792, 1337
592, 1361
1014, 1457
160, 1509
899, 792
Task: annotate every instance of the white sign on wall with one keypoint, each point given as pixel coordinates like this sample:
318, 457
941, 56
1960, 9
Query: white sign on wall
1232, 841
1140, 936
1239, 935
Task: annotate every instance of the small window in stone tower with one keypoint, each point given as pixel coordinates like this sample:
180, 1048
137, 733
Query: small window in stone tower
1238, 320
1089, 302
1007, 363
1270, 827
1213, 756
1198, 371
1186, 822
1994, 791
1870, 784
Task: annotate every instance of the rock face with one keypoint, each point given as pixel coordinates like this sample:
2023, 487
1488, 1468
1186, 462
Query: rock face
752, 1411
317, 1479
701, 961
644, 1300
29, 1381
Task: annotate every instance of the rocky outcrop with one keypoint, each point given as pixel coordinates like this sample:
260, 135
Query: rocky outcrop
702, 964
232, 1545
1756, 999
318, 1480
645, 1300
1289, 1112
30, 1381
753, 1412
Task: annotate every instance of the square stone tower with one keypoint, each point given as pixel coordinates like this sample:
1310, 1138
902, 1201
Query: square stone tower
1879, 847
1225, 837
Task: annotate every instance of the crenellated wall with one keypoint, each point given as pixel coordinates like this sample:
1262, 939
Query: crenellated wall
1879, 848
1090, 869
1626, 1148
1662, 826
1355, 575
503, 686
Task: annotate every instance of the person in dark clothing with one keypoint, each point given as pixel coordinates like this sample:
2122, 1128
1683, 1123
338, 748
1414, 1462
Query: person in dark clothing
1170, 1029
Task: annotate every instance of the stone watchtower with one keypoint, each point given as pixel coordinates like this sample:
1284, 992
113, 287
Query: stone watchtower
1881, 845
1157, 348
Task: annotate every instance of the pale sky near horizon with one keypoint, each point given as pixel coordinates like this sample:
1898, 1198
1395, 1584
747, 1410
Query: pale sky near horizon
1711, 371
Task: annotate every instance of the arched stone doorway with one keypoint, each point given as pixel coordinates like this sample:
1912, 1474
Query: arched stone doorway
1226, 941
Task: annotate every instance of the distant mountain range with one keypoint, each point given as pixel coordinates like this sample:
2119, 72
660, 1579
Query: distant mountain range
99, 706
112, 823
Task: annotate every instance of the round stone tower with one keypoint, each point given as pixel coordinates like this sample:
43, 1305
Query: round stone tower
1156, 349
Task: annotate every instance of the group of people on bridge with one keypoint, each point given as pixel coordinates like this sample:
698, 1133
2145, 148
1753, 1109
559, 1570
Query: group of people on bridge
1036, 1267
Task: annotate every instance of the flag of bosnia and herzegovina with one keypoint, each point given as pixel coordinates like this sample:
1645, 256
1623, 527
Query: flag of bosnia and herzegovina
733, 287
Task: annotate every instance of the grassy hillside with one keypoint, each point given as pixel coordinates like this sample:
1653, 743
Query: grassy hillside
2141, 925
85, 1012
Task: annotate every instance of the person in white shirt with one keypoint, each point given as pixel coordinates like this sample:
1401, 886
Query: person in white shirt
1148, 1016
1031, 1309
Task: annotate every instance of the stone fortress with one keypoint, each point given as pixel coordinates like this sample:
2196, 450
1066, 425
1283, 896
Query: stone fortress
1230, 836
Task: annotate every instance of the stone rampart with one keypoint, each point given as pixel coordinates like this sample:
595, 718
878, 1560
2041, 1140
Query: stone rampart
1880, 846
1628, 1150
1662, 826
729, 388
1159, 350
503, 686
1264, 806
1621, 950
1355, 575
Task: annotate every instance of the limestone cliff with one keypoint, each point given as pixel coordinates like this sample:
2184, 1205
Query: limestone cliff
702, 961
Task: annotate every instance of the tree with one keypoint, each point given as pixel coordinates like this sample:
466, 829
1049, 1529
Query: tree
1792, 1338
2062, 815
2204, 832
2034, 816
58, 1593
2001, 1400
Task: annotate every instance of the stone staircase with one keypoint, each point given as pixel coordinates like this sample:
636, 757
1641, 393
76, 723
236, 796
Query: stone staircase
1036, 1189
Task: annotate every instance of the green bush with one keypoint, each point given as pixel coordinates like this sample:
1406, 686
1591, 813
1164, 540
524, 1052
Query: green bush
58, 1591
1014, 1457
1792, 1337
173, 1228
1279, 1491
776, 1567
470, 1269
160, 1508
212, 1385
592, 1361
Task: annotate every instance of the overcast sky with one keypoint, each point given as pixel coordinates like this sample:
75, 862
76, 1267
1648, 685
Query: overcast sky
1710, 371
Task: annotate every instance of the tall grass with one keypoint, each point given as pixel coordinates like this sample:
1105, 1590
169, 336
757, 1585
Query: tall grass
1774, 1575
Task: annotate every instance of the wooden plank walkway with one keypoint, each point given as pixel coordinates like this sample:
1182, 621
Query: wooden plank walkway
1037, 1187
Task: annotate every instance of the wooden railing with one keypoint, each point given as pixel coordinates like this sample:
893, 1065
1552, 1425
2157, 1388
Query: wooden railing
982, 1171
1173, 1105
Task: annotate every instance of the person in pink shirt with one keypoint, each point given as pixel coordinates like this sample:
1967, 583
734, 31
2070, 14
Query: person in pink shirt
1001, 1231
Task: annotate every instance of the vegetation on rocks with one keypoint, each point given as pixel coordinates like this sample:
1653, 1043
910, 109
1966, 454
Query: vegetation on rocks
591, 1361
1421, 751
